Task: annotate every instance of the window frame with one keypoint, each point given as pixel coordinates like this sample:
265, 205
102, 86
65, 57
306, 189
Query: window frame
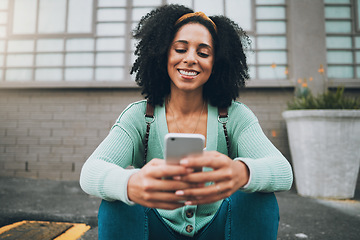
353, 82
127, 80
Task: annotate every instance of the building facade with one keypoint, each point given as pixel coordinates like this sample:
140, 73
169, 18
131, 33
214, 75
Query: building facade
64, 69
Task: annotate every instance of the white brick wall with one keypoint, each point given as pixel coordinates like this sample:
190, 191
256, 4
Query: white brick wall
50, 133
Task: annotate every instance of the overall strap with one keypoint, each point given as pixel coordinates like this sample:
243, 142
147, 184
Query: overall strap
148, 114
223, 113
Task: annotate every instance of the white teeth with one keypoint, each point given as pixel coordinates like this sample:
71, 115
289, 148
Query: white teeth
188, 73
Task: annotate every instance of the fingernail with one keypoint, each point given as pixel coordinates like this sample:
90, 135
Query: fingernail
179, 192
188, 203
184, 161
177, 178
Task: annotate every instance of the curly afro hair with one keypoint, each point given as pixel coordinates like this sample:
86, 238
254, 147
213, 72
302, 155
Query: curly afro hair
155, 33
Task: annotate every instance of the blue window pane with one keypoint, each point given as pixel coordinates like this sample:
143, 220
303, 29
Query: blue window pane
78, 74
110, 59
48, 74
109, 74
271, 27
270, 57
338, 12
357, 56
358, 72
111, 14
49, 59
338, 27
20, 74
214, 7
80, 16
112, 3
336, 1
339, 57
110, 29
146, 3
271, 42
20, 60
270, 73
3, 17
52, 16
4, 4
80, 44
20, 45
50, 45
357, 42
338, 42
24, 19
79, 59
110, 44
232, 11
340, 72
270, 13
263, 2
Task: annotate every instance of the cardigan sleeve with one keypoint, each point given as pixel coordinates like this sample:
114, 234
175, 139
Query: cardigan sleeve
104, 173
270, 171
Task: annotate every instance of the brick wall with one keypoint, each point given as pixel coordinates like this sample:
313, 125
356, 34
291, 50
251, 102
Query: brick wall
50, 133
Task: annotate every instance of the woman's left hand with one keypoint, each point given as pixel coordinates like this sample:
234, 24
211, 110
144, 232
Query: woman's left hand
228, 176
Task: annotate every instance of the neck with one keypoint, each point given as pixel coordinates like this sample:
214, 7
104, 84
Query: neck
185, 104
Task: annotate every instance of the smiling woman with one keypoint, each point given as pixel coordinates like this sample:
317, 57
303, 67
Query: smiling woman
156, 38
190, 58
191, 68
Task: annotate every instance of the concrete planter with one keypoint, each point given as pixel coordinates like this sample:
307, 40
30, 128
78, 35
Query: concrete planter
325, 150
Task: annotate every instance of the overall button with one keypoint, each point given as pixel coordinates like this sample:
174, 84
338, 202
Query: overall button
189, 228
189, 213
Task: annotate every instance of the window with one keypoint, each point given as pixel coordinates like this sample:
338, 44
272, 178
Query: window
342, 39
88, 42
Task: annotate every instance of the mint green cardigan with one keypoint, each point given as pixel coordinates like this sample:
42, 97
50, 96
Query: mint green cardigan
104, 174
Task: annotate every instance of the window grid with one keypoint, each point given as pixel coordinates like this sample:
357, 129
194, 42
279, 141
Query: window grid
278, 69
337, 68
118, 70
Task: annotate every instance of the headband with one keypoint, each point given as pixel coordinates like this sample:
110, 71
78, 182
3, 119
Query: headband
200, 14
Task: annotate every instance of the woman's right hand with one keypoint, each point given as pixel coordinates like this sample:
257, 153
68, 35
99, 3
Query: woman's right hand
154, 186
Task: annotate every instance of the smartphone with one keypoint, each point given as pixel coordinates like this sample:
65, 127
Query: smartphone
180, 145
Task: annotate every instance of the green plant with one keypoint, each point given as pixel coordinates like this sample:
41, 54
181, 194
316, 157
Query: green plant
304, 99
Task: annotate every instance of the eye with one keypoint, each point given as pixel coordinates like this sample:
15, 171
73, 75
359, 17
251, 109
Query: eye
180, 50
203, 55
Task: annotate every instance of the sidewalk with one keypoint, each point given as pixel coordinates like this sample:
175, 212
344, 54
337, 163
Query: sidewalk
45, 200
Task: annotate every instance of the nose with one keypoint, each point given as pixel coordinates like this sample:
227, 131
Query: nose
190, 57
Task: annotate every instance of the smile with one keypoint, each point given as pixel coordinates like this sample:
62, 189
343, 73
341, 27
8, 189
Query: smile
188, 73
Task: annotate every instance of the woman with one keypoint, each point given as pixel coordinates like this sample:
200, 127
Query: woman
189, 66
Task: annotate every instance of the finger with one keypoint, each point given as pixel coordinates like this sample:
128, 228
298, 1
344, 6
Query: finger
197, 193
210, 159
167, 185
165, 197
163, 170
212, 194
200, 201
217, 175
156, 161
162, 200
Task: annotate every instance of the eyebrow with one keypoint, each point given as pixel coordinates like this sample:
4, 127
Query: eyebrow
200, 45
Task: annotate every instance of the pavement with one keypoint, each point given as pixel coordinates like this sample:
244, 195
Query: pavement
61, 201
